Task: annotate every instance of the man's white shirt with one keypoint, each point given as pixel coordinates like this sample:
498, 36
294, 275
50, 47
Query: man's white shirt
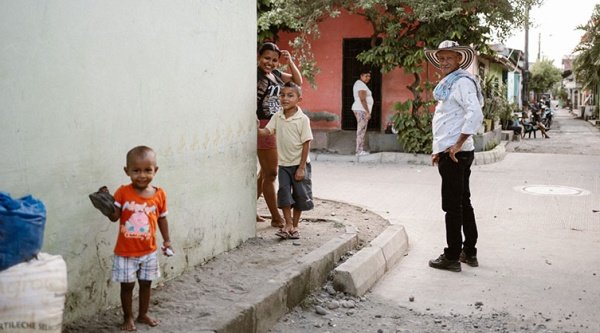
459, 113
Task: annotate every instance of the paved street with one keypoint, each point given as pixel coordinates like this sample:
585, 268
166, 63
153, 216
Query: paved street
567, 135
539, 229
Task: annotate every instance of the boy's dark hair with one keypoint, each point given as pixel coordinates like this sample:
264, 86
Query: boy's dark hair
268, 46
138, 152
294, 87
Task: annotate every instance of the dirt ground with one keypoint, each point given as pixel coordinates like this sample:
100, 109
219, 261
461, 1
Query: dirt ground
372, 315
326, 311
182, 303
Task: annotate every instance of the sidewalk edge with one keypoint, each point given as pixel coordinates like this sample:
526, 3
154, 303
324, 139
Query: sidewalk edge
483, 157
359, 273
262, 307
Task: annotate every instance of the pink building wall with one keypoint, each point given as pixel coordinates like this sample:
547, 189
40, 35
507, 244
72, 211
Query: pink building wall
328, 49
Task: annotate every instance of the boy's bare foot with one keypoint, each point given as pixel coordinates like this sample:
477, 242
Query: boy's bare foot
128, 325
147, 320
288, 228
277, 223
259, 218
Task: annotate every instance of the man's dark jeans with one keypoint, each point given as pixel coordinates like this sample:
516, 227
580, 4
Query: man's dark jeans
456, 202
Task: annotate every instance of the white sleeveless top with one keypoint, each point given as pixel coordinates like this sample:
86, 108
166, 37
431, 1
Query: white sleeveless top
357, 105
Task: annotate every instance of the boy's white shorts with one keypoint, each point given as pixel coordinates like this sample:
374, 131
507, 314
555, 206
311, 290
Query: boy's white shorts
128, 269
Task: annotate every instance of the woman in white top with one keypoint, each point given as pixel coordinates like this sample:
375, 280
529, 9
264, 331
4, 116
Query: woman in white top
362, 107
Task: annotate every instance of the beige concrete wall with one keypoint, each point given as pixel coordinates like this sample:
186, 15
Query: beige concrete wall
82, 82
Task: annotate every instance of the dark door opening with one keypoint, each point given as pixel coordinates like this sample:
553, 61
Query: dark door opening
350, 73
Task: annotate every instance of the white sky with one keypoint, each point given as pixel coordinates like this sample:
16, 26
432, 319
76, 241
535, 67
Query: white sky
555, 21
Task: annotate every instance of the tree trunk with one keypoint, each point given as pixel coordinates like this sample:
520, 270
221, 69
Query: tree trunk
416, 104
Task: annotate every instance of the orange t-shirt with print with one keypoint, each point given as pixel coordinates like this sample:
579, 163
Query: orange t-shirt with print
139, 221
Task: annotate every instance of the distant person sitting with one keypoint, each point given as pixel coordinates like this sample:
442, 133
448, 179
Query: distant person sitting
528, 126
546, 101
515, 125
536, 116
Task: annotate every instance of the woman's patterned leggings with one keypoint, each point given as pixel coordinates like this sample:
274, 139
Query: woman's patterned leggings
361, 129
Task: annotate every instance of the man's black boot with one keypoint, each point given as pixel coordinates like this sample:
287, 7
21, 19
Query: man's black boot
442, 263
469, 260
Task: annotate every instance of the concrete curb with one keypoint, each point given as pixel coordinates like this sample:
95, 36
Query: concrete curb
482, 157
359, 273
260, 309
491, 156
383, 157
393, 243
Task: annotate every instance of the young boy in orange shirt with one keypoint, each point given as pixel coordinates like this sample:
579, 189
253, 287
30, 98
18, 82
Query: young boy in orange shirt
292, 128
141, 208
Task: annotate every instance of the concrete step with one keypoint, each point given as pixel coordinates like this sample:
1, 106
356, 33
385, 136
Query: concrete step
344, 142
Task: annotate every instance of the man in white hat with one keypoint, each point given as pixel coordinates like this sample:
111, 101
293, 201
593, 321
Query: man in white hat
457, 117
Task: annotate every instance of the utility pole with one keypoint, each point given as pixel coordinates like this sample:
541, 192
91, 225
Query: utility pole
525, 92
539, 45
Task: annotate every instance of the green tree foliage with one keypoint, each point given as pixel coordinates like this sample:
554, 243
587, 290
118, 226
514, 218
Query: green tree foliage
544, 75
496, 104
407, 26
401, 31
587, 61
413, 126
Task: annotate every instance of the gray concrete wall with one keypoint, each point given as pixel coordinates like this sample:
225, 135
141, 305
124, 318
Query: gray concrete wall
488, 140
344, 142
82, 82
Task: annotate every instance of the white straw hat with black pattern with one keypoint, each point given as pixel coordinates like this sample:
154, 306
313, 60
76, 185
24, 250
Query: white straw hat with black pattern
468, 54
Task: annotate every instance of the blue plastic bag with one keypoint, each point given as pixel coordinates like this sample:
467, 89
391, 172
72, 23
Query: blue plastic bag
22, 223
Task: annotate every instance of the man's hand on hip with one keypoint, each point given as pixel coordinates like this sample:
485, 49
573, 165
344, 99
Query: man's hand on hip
453, 150
434, 159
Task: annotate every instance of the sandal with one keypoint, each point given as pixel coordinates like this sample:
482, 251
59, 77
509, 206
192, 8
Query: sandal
294, 235
282, 234
103, 201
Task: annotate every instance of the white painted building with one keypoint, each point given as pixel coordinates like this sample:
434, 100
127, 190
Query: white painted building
82, 82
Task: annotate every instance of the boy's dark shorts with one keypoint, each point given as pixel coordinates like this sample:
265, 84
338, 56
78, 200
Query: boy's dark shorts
298, 195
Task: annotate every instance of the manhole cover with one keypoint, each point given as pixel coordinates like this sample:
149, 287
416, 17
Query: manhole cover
552, 190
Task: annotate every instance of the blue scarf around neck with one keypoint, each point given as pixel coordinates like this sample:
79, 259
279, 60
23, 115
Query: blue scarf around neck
442, 90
